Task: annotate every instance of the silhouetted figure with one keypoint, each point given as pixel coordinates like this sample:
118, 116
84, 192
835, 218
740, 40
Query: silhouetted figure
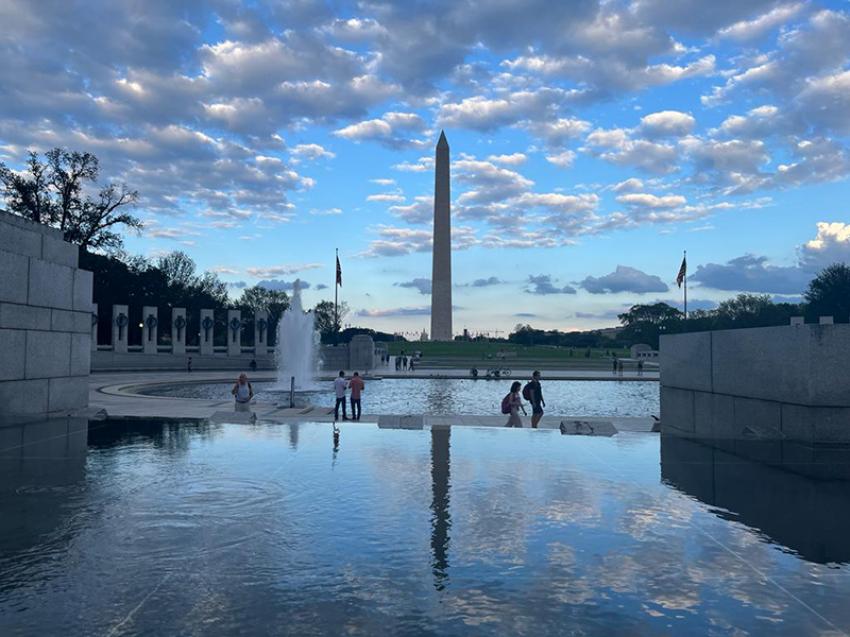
356, 385
640, 368
189, 365
252, 365
340, 385
614, 366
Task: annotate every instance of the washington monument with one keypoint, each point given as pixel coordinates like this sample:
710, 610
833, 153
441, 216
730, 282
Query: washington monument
441, 275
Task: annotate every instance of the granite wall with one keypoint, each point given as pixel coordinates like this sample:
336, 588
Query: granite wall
45, 322
784, 383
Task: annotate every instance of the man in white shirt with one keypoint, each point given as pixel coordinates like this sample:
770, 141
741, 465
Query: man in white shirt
340, 385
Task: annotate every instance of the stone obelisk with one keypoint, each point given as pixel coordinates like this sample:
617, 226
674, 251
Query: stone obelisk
441, 274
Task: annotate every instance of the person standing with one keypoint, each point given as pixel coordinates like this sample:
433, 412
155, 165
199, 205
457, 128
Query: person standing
614, 366
356, 385
535, 397
189, 365
243, 392
515, 404
640, 368
340, 385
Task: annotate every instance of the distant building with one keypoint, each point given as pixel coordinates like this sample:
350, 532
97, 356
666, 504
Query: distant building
643, 351
424, 335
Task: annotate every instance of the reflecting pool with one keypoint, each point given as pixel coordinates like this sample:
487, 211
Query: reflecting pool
178, 528
442, 397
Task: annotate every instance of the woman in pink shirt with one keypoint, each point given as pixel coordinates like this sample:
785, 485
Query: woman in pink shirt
356, 385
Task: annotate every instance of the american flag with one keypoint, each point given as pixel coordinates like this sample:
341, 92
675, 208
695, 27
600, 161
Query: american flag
338, 272
683, 271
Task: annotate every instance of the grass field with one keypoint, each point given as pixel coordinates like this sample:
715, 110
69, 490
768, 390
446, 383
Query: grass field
483, 354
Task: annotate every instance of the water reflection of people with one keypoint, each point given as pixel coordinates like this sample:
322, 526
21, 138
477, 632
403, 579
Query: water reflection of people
440, 517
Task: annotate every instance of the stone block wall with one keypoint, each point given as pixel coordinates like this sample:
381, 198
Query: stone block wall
45, 321
785, 383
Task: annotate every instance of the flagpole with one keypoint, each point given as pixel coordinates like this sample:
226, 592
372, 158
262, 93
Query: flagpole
336, 296
686, 284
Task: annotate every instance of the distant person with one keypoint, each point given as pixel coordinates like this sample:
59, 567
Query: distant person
356, 385
189, 365
253, 365
397, 363
474, 372
614, 366
512, 403
533, 393
404, 363
411, 363
243, 392
640, 368
340, 386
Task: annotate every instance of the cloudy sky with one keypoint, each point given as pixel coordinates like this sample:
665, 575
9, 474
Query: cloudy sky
592, 141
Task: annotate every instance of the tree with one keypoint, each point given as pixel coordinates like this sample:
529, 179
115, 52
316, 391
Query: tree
52, 193
275, 302
828, 293
656, 314
325, 320
178, 268
744, 307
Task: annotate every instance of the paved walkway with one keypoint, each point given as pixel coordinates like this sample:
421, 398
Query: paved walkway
116, 395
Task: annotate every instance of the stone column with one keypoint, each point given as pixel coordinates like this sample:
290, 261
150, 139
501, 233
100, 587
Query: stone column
261, 333
120, 323
94, 327
178, 330
150, 329
206, 341
234, 333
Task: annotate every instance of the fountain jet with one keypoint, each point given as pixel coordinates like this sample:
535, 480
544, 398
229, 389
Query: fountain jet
297, 345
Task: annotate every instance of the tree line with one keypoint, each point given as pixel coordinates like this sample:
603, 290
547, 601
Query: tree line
828, 294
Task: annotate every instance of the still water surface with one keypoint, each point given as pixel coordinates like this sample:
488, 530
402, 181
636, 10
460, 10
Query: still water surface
167, 529
457, 396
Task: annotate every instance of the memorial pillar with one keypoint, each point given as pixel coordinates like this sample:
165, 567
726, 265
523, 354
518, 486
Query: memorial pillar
261, 333
206, 342
94, 327
150, 329
234, 333
178, 330
120, 323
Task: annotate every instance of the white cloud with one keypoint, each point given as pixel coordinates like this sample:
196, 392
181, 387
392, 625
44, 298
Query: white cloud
667, 124
311, 152
751, 29
624, 279
832, 244
563, 160
393, 129
647, 200
514, 159
386, 197
271, 271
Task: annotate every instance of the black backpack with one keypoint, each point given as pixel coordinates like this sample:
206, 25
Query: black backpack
526, 391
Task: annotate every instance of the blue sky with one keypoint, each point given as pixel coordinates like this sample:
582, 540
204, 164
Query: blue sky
592, 142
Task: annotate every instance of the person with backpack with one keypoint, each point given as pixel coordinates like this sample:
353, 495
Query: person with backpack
533, 393
512, 403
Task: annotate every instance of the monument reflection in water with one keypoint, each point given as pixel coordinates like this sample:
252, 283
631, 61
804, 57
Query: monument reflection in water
297, 345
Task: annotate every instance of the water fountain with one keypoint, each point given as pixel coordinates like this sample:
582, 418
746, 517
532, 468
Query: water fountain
297, 345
